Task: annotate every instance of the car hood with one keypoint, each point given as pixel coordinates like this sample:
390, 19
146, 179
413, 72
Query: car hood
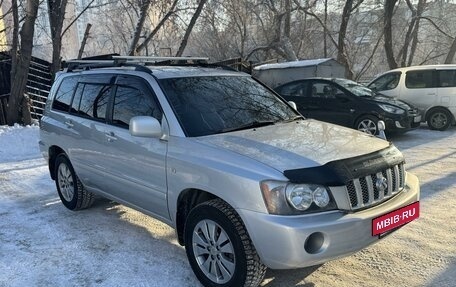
300, 144
392, 101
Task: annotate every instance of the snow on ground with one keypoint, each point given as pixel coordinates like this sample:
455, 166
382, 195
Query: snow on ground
44, 244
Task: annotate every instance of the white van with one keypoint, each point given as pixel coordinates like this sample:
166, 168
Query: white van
431, 88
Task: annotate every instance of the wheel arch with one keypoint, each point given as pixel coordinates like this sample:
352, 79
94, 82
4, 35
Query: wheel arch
430, 110
54, 151
188, 199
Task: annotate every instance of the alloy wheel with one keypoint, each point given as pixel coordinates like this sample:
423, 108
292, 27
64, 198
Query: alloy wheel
213, 251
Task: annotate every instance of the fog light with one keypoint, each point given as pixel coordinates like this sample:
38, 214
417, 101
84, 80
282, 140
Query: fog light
315, 243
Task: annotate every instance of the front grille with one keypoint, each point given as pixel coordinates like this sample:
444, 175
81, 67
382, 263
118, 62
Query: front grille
367, 191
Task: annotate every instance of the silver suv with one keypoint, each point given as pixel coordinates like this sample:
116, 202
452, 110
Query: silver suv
247, 183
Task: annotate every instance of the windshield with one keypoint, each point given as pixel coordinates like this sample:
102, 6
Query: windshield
355, 88
210, 105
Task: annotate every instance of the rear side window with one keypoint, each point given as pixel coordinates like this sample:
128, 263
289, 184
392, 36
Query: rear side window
130, 102
447, 78
94, 101
62, 100
419, 79
293, 89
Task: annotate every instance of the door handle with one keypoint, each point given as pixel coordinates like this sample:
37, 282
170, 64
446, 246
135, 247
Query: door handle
352, 110
111, 137
69, 123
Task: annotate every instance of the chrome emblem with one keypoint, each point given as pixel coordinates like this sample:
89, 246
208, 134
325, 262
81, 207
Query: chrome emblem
381, 183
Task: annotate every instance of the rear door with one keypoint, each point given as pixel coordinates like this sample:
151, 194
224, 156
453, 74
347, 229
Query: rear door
87, 121
136, 165
446, 90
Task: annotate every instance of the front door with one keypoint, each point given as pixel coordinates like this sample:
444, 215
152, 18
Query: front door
330, 104
137, 164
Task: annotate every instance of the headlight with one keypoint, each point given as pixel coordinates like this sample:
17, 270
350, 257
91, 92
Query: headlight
392, 109
287, 198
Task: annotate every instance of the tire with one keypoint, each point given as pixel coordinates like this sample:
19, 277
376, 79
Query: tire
367, 124
70, 189
439, 119
232, 258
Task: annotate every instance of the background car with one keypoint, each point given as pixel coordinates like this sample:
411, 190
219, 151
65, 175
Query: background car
349, 104
431, 88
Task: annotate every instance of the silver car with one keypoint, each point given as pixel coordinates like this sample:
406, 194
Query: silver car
244, 179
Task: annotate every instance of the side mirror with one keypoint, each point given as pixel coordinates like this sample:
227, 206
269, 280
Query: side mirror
293, 105
143, 126
381, 129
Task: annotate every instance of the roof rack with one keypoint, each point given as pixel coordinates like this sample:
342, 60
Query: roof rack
140, 63
149, 59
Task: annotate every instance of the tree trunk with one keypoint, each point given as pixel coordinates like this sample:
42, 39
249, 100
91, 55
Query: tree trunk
341, 54
387, 31
57, 10
157, 28
17, 112
450, 56
190, 28
84, 40
325, 41
139, 26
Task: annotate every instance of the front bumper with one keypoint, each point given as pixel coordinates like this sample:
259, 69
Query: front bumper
402, 123
286, 242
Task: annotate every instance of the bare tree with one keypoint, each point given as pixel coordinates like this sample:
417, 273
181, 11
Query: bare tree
18, 105
450, 56
56, 10
144, 11
171, 11
387, 32
190, 26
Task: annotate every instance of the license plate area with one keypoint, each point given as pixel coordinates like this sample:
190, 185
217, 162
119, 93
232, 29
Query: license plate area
388, 222
417, 119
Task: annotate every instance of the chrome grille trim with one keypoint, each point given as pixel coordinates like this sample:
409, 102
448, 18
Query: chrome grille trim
363, 192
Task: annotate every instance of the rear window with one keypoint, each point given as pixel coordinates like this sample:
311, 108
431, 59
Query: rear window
447, 78
62, 100
419, 79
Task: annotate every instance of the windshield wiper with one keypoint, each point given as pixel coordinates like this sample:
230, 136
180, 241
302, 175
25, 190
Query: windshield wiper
254, 124
293, 119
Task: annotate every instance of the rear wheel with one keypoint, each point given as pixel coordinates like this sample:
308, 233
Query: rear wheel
439, 119
70, 189
219, 248
367, 124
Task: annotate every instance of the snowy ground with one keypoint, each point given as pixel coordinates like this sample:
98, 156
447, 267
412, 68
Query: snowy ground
44, 244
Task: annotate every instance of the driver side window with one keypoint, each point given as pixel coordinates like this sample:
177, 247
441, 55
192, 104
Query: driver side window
386, 82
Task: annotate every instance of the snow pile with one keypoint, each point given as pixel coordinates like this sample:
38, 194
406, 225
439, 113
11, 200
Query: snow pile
18, 143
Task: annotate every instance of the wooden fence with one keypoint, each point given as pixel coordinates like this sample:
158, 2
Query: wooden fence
39, 83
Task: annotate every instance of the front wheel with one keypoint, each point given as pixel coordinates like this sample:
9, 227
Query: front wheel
439, 119
367, 124
219, 248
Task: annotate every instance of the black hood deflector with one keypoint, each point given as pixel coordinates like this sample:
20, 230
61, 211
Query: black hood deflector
340, 172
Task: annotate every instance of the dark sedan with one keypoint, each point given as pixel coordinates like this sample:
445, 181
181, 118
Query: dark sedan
347, 103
